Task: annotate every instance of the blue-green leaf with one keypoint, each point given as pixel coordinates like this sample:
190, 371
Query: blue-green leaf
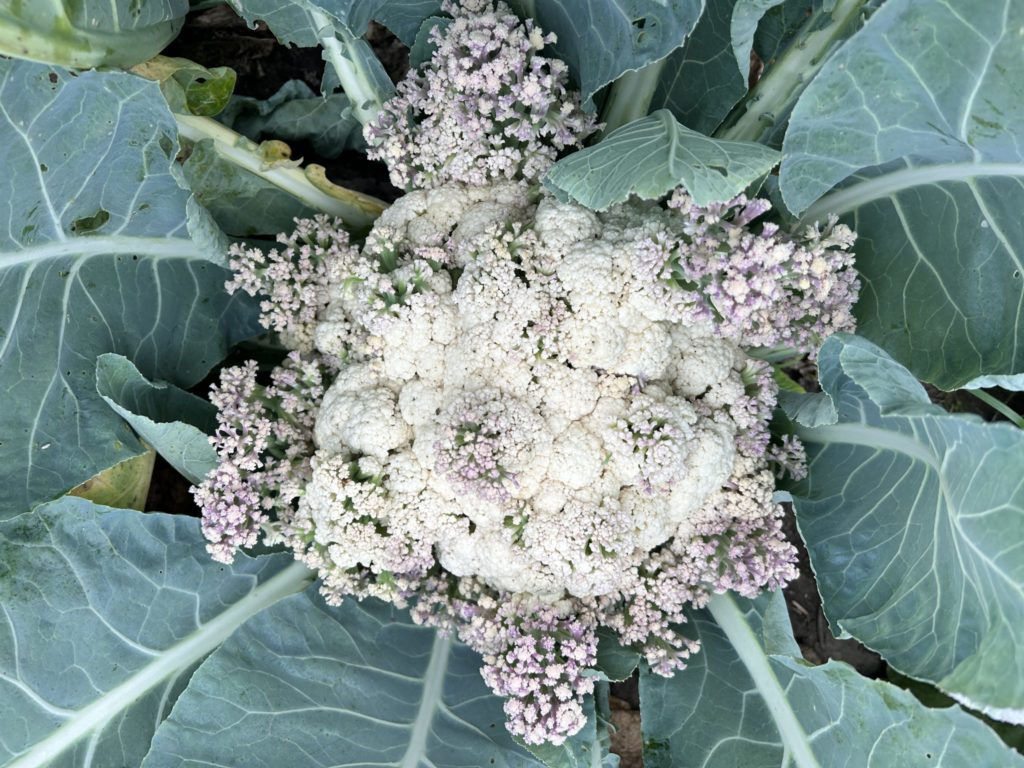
423, 48
174, 423
295, 113
699, 83
745, 18
654, 155
812, 409
914, 520
748, 699
95, 256
602, 39
105, 615
780, 26
305, 685
89, 33
614, 662
920, 119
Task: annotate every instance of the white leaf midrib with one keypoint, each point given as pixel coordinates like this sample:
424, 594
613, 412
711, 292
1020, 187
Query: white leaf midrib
854, 196
795, 739
433, 689
99, 245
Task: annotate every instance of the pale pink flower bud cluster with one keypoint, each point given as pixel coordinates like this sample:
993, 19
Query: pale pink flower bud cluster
487, 107
481, 431
753, 411
536, 656
762, 288
746, 556
293, 281
651, 436
264, 441
789, 457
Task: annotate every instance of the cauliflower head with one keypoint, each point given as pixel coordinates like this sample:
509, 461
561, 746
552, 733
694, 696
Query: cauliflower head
504, 362
520, 418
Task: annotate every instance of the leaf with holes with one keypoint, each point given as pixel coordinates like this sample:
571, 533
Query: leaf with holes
89, 33
919, 119
602, 39
95, 256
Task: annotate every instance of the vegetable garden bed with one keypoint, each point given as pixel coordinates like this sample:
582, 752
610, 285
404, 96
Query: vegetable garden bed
630, 383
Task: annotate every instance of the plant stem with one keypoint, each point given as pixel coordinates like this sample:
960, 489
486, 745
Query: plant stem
775, 94
343, 55
998, 405
357, 210
81, 48
731, 621
630, 96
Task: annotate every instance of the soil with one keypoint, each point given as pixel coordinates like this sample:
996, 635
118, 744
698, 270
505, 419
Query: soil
218, 37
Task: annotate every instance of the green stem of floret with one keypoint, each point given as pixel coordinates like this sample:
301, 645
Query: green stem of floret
770, 101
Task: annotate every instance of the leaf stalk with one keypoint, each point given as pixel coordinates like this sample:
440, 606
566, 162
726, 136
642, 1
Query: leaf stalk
357, 210
756, 117
730, 619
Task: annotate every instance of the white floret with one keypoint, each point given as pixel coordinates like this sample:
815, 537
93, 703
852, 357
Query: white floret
358, 414
589, 270
472, 362
648, 351
487, 554
588, 546
426, 218
703, 360
560, 225
566, 394
708, 465
420, 402
404, 474
593, 338
577, 458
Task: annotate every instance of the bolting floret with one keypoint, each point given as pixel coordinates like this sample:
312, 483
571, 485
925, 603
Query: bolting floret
487, 107
264, 443
528, 417
293, 281
578, 473
763, 289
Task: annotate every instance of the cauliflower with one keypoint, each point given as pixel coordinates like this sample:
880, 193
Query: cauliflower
524, 419
516, 412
